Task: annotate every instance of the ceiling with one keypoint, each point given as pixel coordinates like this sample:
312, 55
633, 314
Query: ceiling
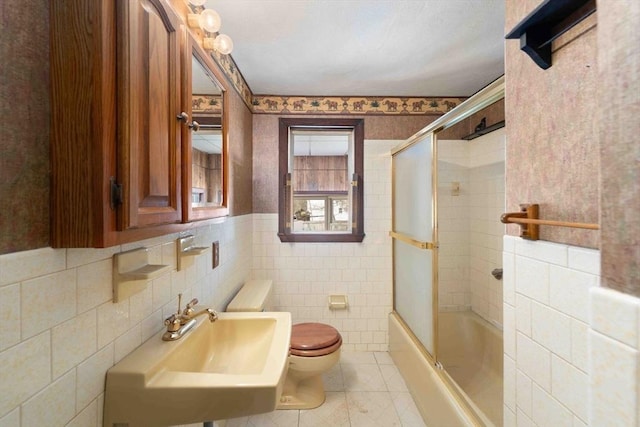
365, 47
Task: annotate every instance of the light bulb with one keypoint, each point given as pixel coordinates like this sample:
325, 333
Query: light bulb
197, 2
223, 44
210, 20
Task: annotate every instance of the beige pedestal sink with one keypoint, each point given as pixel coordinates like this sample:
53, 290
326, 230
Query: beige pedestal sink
232, 367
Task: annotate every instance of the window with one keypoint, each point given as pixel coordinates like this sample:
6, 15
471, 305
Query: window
321, 185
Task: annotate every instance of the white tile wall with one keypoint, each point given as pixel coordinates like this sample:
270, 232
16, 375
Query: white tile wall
613, 359
305, 274
573, 344
470, 232
453, 226
487, 203
64, 332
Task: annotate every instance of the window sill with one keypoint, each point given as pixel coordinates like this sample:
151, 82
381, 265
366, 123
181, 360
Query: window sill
321, 238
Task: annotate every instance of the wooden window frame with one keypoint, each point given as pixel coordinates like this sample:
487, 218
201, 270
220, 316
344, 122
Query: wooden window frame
285, 193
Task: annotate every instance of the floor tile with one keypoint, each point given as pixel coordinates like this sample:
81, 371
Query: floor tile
333, 412
362, 378
283, 418
383, 358
407, 410
393, 378
237, 422
364, 390
371, 409
358, 357
333, 379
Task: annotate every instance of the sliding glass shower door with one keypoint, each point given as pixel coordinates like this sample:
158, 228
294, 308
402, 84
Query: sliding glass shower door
413, 238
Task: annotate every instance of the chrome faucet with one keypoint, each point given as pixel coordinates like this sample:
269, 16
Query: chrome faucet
180, 323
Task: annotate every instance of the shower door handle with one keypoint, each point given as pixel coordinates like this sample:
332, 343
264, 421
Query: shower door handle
413, 242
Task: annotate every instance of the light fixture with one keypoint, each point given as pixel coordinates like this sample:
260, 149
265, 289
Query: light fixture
208, 20
223, 44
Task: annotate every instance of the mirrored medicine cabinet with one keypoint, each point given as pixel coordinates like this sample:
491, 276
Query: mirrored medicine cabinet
205, 152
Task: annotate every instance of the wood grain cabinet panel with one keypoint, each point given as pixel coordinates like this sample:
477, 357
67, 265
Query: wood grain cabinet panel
116, 94
149, 50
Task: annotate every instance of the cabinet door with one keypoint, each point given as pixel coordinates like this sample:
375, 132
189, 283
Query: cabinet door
149, 41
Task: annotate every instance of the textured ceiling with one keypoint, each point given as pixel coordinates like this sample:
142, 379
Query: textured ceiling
365, 47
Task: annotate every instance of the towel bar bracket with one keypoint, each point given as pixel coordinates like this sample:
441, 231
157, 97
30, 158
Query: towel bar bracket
529, 222
528, 230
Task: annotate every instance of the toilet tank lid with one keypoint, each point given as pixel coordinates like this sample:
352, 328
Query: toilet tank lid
253, 296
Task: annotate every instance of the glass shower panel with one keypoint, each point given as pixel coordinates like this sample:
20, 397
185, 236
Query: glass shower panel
412, 192
413, 291
413, 220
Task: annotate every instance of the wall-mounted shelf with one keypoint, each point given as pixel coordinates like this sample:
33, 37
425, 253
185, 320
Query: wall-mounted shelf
132, 272
546, 23
484, 131
186, 251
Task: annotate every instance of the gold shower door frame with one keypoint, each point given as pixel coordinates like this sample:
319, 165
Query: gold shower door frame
424, 245
483, 98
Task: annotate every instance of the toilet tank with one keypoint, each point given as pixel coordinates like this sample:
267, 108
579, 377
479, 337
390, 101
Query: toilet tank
254, 295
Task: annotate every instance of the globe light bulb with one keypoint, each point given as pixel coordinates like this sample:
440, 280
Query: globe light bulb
223, 44
210, 20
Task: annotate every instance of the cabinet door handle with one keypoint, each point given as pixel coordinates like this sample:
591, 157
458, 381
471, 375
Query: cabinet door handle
194, 126
183, 117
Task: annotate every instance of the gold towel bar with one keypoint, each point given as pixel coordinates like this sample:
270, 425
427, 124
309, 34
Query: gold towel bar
528, 220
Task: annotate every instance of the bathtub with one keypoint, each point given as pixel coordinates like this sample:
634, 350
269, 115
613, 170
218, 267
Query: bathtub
475, 395
471, 352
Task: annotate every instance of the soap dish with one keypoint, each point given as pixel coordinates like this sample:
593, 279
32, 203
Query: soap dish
186, 251
132, 272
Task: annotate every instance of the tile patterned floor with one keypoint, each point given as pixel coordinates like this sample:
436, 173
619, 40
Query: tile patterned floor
364, 390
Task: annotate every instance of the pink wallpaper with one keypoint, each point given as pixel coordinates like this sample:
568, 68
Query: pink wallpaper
553, 154
24, 127
619, 112
265, 149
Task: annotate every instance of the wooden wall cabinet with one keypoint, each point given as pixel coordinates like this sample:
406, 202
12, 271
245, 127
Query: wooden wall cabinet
149, 47
116, 136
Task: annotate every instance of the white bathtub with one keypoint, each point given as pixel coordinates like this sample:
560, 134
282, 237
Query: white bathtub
471, 351
464, 336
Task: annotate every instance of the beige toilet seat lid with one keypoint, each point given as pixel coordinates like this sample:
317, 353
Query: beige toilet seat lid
313, 336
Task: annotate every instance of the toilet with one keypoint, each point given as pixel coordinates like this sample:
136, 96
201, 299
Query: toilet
315, 348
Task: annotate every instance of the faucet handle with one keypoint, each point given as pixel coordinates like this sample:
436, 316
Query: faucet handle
188, 310
172, 323
179, 303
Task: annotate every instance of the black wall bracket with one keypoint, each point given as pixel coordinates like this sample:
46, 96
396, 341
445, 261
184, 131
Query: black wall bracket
546, 23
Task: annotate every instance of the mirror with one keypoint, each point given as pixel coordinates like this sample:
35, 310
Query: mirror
321, 165
206, 139
205, 194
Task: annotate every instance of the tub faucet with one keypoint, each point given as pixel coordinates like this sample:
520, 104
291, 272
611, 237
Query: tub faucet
180, 323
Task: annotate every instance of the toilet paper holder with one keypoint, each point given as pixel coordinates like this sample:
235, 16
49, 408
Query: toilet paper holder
338, 302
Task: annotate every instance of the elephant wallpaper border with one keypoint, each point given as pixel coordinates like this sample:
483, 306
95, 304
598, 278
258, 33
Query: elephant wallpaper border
387, 105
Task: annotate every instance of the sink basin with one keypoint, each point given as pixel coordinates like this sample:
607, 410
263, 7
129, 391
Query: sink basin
232, 367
